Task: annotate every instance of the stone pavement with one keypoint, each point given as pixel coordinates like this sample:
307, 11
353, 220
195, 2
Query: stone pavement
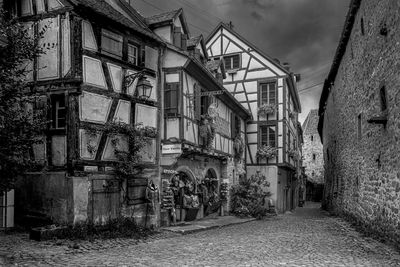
307, 237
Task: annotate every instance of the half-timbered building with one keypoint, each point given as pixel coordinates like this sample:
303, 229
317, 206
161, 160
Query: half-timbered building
268, 91
203, 125
99, 55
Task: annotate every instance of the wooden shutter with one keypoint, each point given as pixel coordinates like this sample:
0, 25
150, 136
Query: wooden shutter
233, 125
235, 61
184, 41
171, 99
177, 37
197, 101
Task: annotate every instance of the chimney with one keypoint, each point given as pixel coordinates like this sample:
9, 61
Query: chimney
286, 65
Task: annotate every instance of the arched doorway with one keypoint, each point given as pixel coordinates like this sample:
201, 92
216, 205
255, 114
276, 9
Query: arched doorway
184, 188
209, 189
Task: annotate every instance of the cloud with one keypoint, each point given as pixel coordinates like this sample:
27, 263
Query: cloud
256, 15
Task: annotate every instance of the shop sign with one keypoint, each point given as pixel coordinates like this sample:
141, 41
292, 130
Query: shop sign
222, 126
171, 149
166, 171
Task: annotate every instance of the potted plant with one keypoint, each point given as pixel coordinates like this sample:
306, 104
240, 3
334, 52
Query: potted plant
266, 109
266, 152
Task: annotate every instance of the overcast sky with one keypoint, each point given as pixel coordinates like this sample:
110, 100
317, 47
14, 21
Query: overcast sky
304, 33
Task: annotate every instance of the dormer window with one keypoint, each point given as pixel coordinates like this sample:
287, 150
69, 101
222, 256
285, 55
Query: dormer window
133, 54
232, 62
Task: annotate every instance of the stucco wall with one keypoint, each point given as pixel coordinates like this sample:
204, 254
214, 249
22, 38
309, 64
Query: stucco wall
362, 164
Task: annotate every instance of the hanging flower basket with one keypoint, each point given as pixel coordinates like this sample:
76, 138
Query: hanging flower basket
266, 152
266, 109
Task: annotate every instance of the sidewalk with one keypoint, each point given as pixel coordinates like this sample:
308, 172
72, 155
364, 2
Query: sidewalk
205, 224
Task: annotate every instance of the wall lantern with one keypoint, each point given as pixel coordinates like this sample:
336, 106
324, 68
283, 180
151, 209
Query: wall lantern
143, 88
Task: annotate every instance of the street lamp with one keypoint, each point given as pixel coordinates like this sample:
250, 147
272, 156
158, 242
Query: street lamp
143, 87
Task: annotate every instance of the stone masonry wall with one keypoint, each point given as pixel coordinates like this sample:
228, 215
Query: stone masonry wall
362, 160
313, 146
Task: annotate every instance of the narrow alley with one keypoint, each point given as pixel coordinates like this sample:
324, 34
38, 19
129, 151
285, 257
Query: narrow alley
307, 237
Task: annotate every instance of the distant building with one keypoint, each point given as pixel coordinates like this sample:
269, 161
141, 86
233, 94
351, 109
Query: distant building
268, 91
313, 159
360, 119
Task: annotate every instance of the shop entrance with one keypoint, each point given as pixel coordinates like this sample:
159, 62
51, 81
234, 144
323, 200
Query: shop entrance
209, 190
186, 199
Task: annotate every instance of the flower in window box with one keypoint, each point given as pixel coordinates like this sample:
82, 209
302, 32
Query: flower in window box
266, 109
292, 114
266, 152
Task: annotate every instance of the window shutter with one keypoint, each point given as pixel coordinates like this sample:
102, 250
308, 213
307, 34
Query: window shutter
178, 37
236, 61
143, 56
197, 101
233, 125
271, 137
151, 58
184, 41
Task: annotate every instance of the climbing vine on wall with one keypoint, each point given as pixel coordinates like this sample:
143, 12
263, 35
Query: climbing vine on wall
128, 141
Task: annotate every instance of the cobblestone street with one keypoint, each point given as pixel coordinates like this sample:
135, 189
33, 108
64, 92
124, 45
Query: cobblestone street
307, 237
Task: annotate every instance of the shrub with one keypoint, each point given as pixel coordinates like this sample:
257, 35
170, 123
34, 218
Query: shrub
249, 197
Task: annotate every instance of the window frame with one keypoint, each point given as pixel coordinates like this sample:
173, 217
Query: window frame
231, 65
55, 109
268, 93
268, 134
167, 107
137, 57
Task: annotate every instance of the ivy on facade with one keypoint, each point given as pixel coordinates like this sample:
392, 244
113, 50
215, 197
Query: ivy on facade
128, 142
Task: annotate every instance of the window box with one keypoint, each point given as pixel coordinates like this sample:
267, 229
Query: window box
266, 109
266, 152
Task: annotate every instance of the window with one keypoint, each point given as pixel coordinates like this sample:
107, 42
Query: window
58, 111
359, 127
362, 26
314, 157
111, 43
133, 54
204, 104
232, 62
171, 99
312, 138
268, 93
268, 136
382, 94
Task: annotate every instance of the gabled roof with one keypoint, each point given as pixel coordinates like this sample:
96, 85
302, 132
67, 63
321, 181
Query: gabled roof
202, 73
164, 17
167, 18
194, 41
290, 80
241, 38
310, 124
214, 65
102, 8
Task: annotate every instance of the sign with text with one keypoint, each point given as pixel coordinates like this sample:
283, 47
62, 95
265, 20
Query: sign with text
171, 149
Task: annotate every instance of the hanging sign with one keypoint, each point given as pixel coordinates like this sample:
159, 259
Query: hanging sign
171, 149
210, 93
